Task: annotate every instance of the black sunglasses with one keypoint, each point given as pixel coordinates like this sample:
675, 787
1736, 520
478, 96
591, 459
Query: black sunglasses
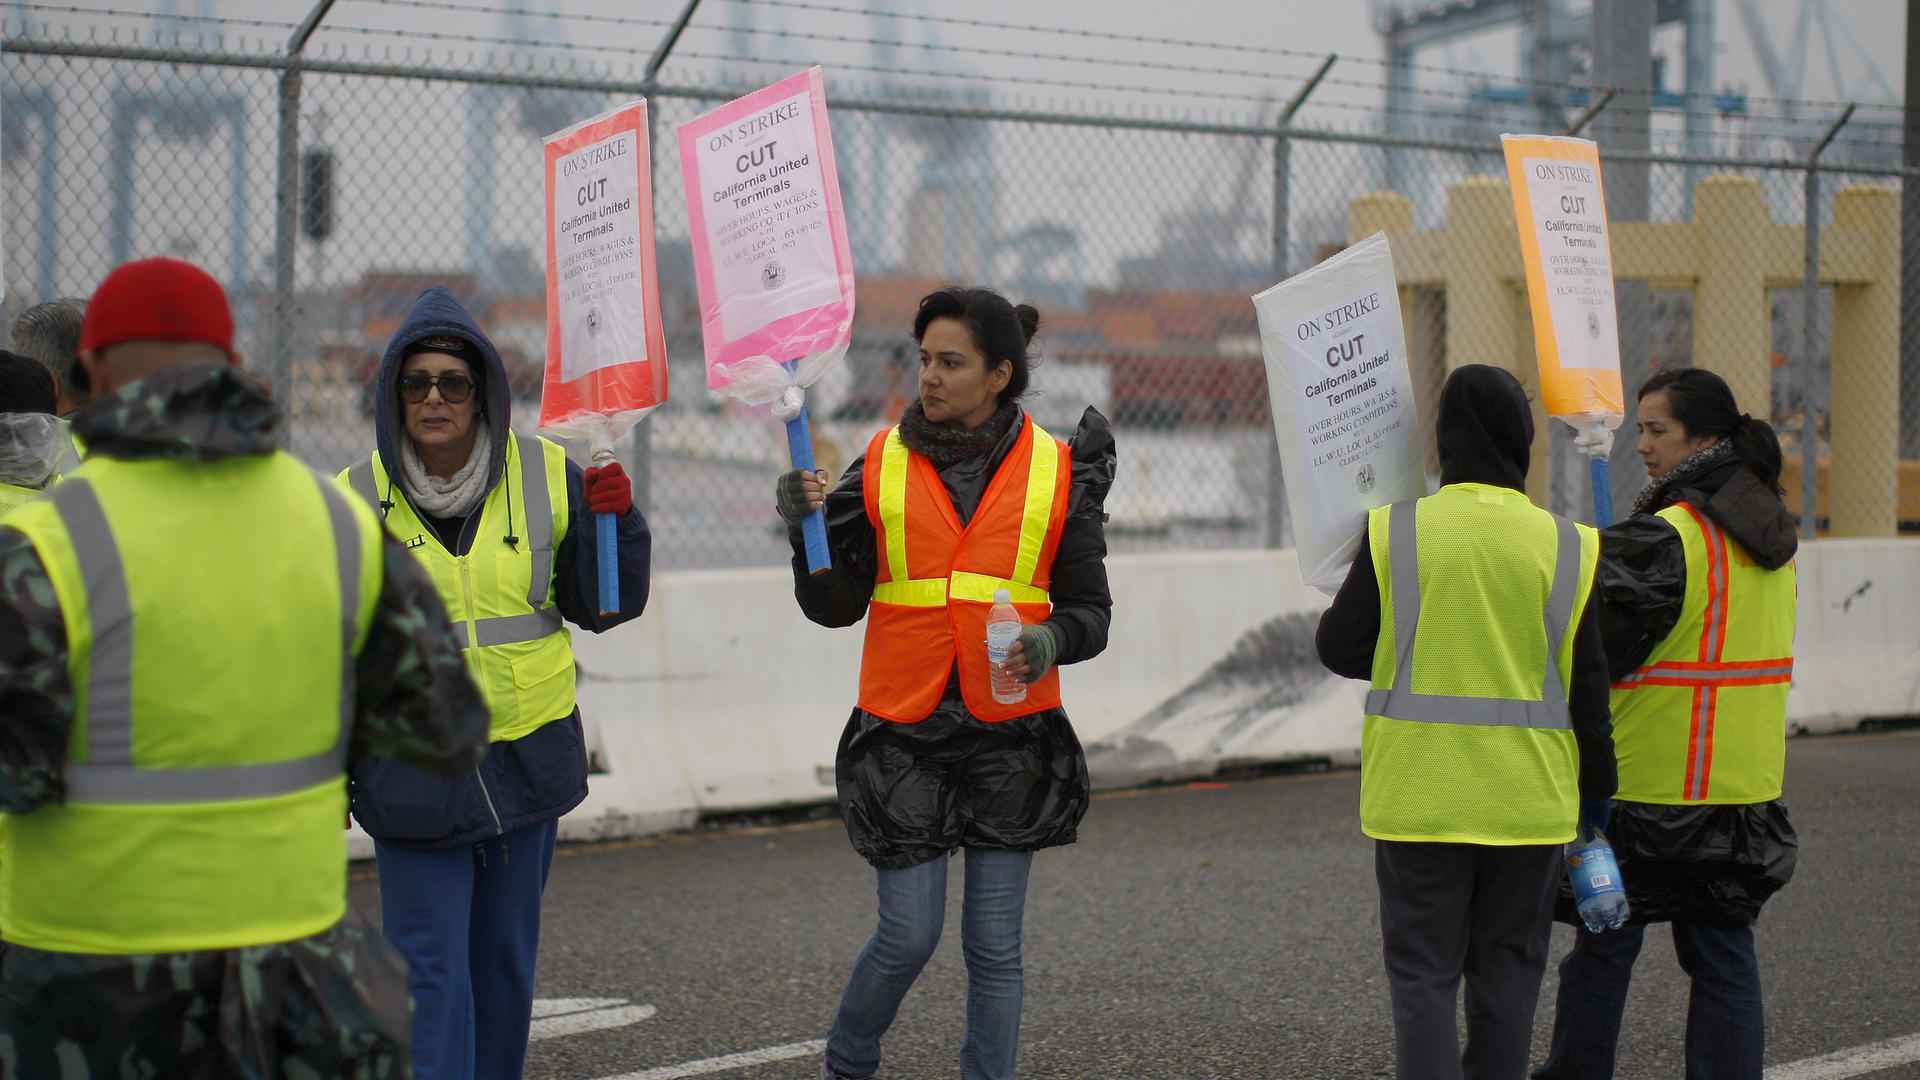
453, 388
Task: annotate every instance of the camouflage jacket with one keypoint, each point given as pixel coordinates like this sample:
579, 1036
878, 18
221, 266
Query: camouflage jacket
416, 702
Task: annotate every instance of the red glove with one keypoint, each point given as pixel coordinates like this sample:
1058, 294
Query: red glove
608, 491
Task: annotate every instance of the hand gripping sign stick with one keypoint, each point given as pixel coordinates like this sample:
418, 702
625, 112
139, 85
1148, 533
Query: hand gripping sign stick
1561, 213
771, 256
606, 351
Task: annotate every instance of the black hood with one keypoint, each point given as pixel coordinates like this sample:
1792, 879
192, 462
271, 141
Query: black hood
437, 313
1485, 430
1751, 512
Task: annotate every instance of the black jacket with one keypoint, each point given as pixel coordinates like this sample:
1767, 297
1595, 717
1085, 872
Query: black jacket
1716, 863
912, 792
543, 774
1485, 434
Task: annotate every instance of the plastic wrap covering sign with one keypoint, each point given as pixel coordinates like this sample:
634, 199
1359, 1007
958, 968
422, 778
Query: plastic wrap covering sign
1343, 404
606, 350
771, 255
1561, 213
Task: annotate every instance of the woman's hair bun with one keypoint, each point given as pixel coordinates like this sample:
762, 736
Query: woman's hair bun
1029, 317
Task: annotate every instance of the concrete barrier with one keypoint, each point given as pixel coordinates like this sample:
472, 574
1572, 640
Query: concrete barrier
724, 699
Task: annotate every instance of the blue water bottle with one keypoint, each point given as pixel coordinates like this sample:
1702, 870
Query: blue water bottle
1593, 872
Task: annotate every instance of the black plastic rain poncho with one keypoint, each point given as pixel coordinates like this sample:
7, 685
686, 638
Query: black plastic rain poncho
913, 792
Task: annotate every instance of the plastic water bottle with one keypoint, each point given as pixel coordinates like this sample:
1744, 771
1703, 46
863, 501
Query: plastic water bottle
1598, 893
1003, 629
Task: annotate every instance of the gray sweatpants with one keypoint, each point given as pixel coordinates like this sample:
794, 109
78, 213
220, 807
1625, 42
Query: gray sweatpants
1478, 911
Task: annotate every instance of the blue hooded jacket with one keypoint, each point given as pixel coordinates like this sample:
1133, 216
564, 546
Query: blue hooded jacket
543, 774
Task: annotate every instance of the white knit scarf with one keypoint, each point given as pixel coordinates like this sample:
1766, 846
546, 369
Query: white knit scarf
454, 498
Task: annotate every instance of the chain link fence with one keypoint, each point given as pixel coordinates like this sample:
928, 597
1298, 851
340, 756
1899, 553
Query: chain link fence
1140, 241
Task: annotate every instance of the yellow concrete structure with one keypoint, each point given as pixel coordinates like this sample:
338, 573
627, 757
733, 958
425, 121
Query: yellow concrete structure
1463, 298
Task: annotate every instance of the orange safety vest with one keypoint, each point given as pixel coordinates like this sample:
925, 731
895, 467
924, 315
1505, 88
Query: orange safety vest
936, 580
1704, 719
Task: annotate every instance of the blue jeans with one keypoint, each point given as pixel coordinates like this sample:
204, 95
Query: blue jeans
1726, 1030
468, 921
912, 908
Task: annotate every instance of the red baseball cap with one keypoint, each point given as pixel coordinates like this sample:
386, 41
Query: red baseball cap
158, 300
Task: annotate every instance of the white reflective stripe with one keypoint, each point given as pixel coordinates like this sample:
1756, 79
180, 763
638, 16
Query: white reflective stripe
1701, 750
1724, 676
510, 629
1042, 478
360, 479
346, 547
109, 705
1714, 642
122, 784
1399, 702
114, 779
539, 506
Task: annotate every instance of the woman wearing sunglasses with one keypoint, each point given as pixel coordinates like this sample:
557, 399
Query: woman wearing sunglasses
501, 521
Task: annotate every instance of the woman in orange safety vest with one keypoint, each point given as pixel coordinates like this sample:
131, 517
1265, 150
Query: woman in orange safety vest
1698, 618
964, 497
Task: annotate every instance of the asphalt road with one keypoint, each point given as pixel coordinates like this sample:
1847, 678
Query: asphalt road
1204, 931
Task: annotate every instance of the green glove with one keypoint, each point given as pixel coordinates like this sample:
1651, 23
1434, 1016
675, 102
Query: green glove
1042, 645
790, 496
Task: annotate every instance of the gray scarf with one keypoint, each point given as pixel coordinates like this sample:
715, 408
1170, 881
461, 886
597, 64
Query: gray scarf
455, 498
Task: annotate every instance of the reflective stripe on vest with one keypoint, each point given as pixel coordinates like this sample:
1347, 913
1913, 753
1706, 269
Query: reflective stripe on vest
905, 590
1401, 703
505, 629
1710, 673
109, 776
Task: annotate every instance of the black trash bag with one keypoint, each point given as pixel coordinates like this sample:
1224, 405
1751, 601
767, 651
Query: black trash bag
1708, 864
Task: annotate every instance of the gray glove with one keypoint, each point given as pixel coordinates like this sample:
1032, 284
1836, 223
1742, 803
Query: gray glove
790, 495
1042, 645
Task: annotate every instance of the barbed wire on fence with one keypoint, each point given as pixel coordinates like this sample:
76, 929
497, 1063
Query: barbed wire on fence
1139, 230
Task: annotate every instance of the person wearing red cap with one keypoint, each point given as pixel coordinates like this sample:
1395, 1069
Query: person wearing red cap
502, 520
196, 634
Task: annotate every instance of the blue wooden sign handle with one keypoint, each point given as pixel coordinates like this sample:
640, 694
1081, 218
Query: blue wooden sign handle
1602, 491
609, 537
813, 528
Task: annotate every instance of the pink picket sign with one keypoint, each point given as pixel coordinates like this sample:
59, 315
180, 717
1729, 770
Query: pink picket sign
769, 235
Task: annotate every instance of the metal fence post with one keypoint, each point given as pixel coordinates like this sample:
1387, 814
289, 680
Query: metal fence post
286, 226
1810, 308
286, 206
1282, 239
642, 476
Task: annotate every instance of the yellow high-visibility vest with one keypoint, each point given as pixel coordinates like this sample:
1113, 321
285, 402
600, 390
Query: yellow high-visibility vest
1468, 738
1704, 720
12, 495
499, 595
213, 612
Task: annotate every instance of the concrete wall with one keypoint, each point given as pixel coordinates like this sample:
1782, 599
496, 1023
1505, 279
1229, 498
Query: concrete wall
723, 698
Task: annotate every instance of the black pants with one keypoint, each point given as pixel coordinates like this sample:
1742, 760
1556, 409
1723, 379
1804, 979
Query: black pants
1484, 913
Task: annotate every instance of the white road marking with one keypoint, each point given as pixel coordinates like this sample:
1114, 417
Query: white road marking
556, 1006
554, 1017
729, 1062
1853, 1061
